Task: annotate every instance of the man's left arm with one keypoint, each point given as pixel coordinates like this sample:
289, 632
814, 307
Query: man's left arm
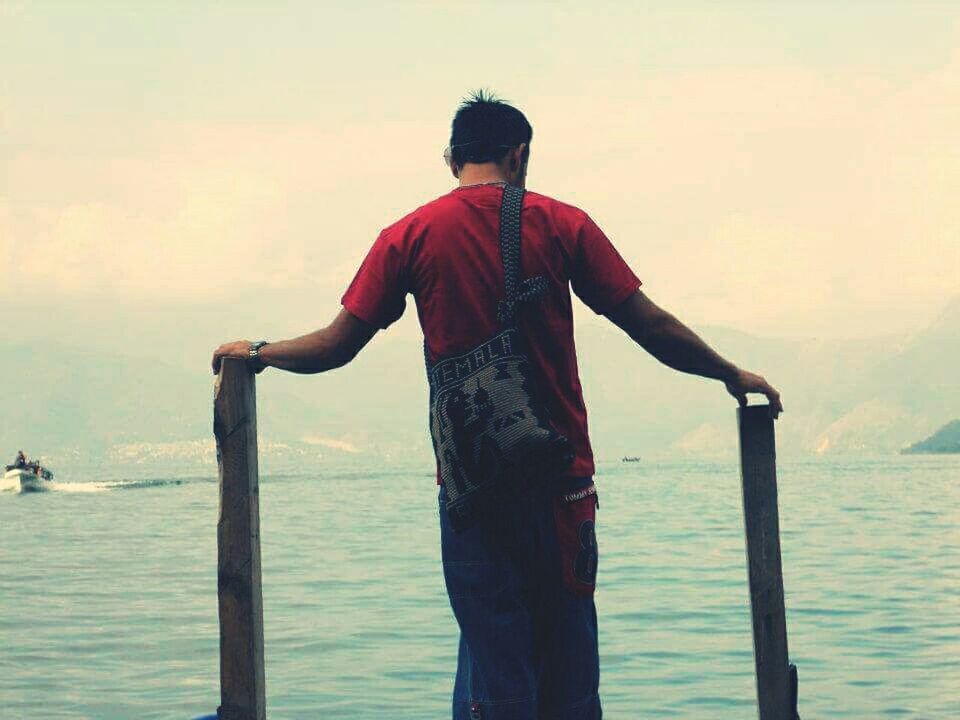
325, 349
677, 346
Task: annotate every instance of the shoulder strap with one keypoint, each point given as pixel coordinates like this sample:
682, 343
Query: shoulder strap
517, 291
510, 210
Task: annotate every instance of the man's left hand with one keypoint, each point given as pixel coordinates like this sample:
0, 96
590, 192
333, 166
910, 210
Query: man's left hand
743, 382
239, 349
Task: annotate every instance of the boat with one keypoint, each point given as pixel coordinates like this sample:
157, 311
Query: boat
29, 475
633, 458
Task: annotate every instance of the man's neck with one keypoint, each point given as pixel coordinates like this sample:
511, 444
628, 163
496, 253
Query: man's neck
481, 173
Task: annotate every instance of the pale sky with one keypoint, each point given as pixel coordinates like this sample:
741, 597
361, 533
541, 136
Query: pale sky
783, 171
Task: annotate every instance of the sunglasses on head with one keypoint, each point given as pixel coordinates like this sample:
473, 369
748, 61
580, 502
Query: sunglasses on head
448, 150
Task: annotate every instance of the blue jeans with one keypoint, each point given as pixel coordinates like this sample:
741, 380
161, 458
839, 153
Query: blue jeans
521, 586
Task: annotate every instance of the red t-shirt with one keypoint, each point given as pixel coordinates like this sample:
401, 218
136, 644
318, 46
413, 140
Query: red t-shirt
447, 255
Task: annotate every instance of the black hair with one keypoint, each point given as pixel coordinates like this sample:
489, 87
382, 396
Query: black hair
485, 128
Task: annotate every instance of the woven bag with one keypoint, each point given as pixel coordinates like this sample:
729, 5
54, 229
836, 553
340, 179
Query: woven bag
491, 435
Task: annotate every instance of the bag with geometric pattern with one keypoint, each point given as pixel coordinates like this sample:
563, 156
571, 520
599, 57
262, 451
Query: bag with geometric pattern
491, 435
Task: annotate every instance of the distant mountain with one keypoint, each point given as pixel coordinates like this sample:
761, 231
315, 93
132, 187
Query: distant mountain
83, 406
865, 396
859, 396
944, 440
872, 426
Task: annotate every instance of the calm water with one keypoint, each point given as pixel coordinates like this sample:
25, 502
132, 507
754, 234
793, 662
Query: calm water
108, 595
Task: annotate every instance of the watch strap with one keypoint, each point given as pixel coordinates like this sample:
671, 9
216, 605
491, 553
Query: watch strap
254, 350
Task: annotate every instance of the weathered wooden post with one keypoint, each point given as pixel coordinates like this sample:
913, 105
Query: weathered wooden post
776, 677
242, 687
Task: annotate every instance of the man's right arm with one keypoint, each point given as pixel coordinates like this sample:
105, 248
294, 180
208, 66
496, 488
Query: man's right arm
677, 346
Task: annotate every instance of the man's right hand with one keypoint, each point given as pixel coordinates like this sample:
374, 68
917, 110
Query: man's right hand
744, 382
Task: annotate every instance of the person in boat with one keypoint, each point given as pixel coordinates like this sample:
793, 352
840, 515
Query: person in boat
21, 460
521, 584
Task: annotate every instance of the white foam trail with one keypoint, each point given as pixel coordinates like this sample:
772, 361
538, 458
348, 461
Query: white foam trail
94, 486
13, 486
79, 487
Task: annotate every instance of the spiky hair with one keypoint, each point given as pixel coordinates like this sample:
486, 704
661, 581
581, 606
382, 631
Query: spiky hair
485, 127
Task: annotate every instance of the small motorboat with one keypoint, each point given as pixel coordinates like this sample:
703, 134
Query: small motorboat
631, 458
30, 475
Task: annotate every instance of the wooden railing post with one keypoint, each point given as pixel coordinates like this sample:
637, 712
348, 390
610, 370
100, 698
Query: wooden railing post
776, 677
242, 688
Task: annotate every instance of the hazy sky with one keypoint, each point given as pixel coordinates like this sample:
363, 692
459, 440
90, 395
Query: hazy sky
785, 171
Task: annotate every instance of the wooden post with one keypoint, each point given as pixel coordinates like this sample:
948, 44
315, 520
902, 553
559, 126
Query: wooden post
776, 678
242, 688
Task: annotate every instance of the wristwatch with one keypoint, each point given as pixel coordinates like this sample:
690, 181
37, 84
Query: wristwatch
254, 350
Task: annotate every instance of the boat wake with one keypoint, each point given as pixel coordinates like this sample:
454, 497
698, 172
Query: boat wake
78, 487
13, 486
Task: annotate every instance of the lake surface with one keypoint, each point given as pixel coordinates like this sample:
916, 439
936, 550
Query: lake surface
108, 594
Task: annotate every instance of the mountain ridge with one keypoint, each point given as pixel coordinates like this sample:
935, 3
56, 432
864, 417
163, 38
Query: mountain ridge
944, 440
856, 396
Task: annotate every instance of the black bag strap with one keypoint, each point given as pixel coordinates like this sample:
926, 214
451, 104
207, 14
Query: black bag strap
517, 291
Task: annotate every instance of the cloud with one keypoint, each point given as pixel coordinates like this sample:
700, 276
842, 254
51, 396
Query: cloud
197, 210
773, 198
782, 199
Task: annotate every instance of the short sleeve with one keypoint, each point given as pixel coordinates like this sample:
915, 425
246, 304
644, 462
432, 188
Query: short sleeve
599, 276
377, 294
